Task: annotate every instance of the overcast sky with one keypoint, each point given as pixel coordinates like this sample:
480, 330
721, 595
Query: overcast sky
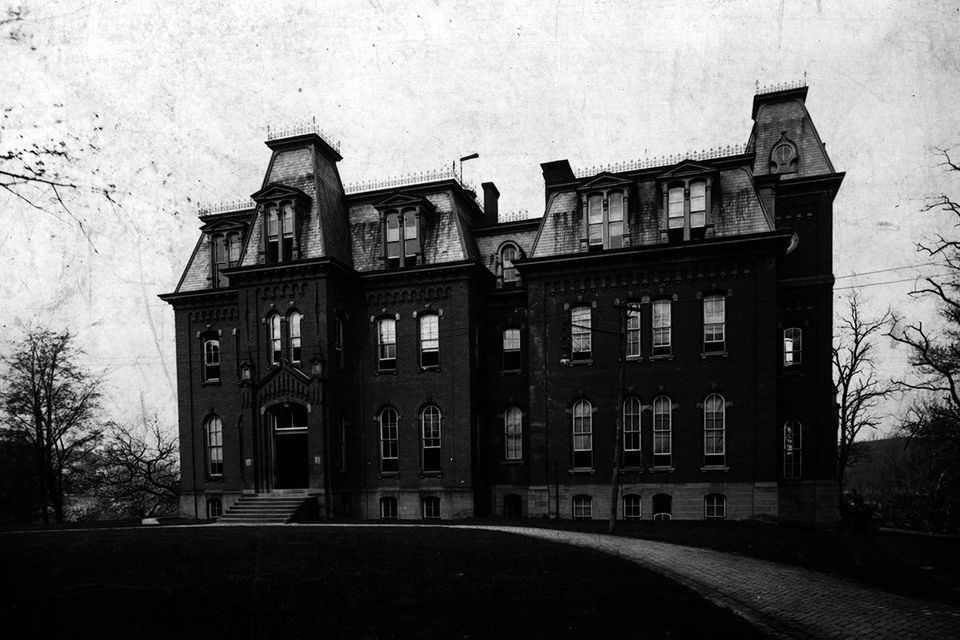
176, 99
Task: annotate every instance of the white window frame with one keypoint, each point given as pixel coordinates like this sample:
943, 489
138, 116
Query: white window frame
632, 434
633, 333
605, 224
429, 341
294, 321
388, 508
714, 323
213, 427
511, 348
581, 332
387, 344
714, 429
508, 253
211, 360
389, 440
792, 346
661, 320
275, 337
430, 507
662, 431
431, 438
582, 507
214, 508
582, 432
513, 434
714, 506
632, 507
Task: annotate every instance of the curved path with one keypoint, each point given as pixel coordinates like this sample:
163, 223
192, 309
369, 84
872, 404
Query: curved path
783, 601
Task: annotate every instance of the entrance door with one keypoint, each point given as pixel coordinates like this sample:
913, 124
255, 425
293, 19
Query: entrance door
292, 461
291, 456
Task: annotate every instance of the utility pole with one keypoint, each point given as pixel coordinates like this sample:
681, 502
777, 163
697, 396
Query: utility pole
618, 442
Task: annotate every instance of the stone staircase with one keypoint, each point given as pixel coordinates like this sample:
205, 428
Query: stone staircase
266, 508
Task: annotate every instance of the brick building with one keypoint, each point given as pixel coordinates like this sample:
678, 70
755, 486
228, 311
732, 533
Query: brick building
399, 351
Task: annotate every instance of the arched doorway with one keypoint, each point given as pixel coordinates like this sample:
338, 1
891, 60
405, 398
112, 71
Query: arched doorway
291, 456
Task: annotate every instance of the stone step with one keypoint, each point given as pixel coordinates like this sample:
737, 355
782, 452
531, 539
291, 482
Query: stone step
264, 508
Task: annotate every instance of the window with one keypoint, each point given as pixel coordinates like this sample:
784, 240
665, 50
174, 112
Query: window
662, 506
605, 213
513, 434
511, 349
214, 508
698, 204
214, 429
792, 346
273, 335
714, 430
714, 506
631, 433
430, 432
289, 417
675, 209
226, 254
342, 445
338, 340
783, 156
714, 313
662, 433
279, 232
686, 203
509, 272
431, 508
387, 344
631, 507
389, 446
661, 327
293, 322
582, 435
211, 360
580, 333
388, 508
582, 507
402, 241
792, 450
429, 341
633, 333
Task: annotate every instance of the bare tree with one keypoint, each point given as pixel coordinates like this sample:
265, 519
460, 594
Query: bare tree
51, 404
859, 388
140, 473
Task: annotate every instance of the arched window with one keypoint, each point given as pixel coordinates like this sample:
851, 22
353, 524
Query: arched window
211, 360
274, 337
214, 431
661, 327
580, 333
662, 506
582, 507
633, 333
783, 156
431, 507
429, 341
714, 506
792, 346
513, 434
293, 322
582, 435
792, 450
631, 507
631, 433
507, 255
430, 435
511, 349
388, 508
214, 508
662, 432
714, 323
714, 430
387, 344
389, 440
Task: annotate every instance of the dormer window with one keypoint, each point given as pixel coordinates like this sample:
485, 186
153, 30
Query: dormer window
783, 156
280, 233
686, 203
508, 272
605, 217
402, 239
226, 254
283, 209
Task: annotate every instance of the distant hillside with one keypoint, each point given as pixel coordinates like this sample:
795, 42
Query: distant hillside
876, 463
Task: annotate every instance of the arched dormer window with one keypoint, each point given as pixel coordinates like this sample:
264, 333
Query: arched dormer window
402, 238
508, 273
783, 156
605, 217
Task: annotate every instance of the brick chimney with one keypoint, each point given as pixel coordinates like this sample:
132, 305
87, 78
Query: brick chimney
491, 199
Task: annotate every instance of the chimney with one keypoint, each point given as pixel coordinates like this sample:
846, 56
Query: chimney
491, 198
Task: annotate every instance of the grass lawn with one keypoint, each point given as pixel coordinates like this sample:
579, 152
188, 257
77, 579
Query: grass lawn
304, 582
917, 565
